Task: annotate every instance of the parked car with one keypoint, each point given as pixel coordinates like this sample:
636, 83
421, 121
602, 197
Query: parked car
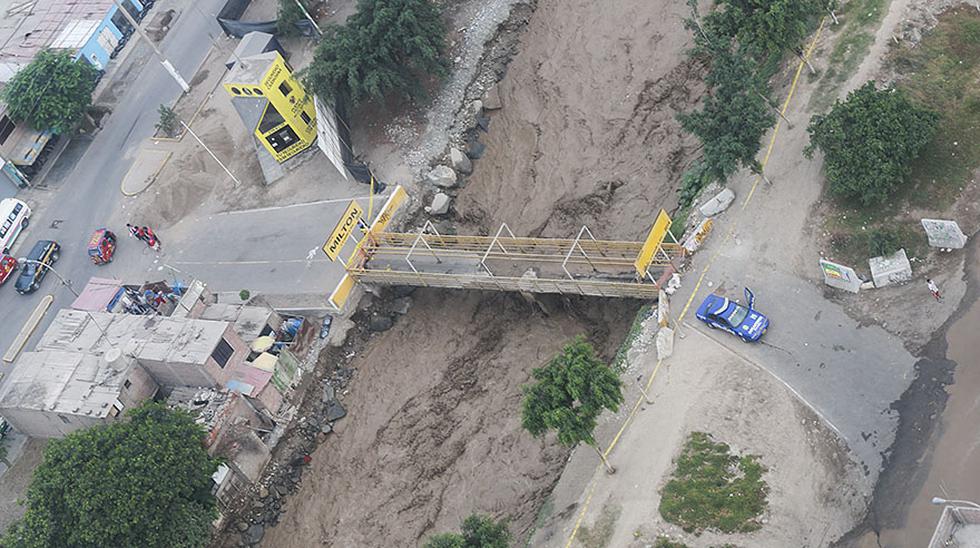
45, 252
742, 321
7, 266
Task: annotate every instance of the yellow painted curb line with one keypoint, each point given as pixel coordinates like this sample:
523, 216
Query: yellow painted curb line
697, 286
29, 326
153, 178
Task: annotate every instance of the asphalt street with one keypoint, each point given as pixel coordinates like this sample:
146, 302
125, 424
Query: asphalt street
272, 250
847, 373
89, 194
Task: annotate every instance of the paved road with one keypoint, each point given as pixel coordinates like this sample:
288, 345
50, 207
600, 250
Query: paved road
848, 373
251, 249
90, 192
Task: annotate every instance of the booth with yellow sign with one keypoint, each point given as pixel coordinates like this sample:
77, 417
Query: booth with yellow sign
272, 103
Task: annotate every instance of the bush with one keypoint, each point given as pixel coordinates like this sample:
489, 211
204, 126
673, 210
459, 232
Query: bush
882, 241
169, 124
478, 532
711, 488
869, 142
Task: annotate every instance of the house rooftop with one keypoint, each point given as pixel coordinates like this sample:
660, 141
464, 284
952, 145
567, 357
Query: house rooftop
66, 381
47, 23
155, 338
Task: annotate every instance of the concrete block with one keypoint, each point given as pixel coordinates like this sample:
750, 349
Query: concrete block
443, 177
460, 162
892, 269
665, 343
840, 276
719, 203
944, 234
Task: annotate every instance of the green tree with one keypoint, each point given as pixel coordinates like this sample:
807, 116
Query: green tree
386, 46
52, 92
571, 391
733, 118
764, 27
869, 142
289, 14
141, 482
478, 532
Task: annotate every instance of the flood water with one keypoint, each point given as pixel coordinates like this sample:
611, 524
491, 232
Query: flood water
954, 461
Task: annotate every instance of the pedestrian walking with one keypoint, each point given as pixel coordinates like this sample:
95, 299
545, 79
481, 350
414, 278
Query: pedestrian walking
934, 289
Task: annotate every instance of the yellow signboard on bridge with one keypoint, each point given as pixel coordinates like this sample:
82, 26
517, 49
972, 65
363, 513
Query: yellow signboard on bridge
343, 230
656, 237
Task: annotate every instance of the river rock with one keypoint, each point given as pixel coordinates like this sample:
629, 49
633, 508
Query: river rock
379, 323
443, 177
335, 411
254, 534
460, 162
440, 204
491, 99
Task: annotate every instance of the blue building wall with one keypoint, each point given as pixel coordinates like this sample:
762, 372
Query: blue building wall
93, 50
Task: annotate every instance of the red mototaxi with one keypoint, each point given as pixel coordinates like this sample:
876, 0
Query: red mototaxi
7, 265
102, 246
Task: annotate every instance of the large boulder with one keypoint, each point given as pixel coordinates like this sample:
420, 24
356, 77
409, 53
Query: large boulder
460, 162
440, 204
491, 99
443, 177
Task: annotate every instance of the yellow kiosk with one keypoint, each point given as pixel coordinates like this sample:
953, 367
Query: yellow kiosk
273, 104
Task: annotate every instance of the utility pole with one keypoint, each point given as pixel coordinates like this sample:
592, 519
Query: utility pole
163, 60
200, 142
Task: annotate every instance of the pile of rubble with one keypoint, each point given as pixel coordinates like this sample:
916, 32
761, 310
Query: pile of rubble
283, 478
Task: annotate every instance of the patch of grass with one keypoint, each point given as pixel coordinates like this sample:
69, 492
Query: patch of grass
599, 535
942, 73
713, 489
619, 360
859, 21
666, 542
679, 223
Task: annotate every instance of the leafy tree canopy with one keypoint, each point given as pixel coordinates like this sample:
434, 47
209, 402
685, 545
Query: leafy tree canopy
570, 393
288, 15
142, 482
764, 27
478, 532
869, 142
52, 92
734, 116
386, 46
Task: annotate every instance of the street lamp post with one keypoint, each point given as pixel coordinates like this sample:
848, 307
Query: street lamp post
67, 283
953, 505
939, 500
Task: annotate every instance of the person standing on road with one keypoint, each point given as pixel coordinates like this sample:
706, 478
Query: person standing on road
934, 289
